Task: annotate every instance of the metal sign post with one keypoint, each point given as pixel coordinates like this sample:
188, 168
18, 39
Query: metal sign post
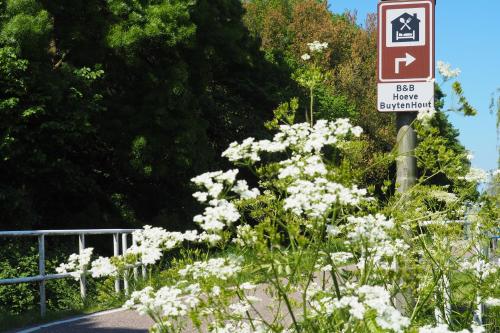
406, 73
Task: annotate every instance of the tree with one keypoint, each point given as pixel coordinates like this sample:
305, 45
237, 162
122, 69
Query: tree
109, 108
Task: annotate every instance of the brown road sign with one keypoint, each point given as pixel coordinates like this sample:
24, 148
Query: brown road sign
406, 55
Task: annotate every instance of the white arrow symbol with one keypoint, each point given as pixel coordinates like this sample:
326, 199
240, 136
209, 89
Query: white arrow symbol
409, 59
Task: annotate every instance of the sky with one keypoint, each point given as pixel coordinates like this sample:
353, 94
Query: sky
467, 37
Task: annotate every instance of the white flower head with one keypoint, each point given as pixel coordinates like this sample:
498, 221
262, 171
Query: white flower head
305, 57
446, 71
426, 115
317, 46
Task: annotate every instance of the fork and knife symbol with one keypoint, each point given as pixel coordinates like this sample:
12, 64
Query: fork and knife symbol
405, 23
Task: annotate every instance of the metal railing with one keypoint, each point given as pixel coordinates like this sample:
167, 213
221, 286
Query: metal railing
42, 277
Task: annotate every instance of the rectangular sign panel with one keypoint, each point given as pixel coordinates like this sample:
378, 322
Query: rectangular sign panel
406, 55
405, 96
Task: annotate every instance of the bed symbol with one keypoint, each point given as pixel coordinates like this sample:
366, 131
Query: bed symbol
406, 28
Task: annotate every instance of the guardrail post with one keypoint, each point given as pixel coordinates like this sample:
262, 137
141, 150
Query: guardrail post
116, 253
41, 272
136, 269
144, 273
83, 280
125, 273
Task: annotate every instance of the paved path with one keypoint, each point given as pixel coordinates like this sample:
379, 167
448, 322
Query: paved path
106, 322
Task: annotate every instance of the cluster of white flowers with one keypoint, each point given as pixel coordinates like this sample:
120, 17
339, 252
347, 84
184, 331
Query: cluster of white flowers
317, 46
219, 213
245, 235
426, 115
366, 297
492, 301
221, 268
300, 138
103, 267
214, 183
476, 175
370, 229
341, 258
217, 216
151, 242
444, 196
315, 198
480, 268
77, 264
371, 233
298, 166
168, 303
388, 317
236, 326
443, 328
305, 57
446, 72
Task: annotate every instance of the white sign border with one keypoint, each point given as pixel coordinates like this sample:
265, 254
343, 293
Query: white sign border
431, 41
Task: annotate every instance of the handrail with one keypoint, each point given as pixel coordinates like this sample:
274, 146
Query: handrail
67, 232
42, 277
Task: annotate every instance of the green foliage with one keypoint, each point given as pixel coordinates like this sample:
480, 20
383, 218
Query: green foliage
465, 107
21, 260
106, 107
284, 113
153, 22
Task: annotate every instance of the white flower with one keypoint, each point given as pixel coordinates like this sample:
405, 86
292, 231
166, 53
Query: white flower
239, 327
492, 301
169, 303
246, 151
340, 258
247, 286
215, 291
443, 196
222, 213
245, 235
426, 115
480, 268
201, 196
316, 46
77, 264
210, 238
305, 57
446, 71
241, 188
102, 267
240, 308
220, 268
316, 198
476, 175
442, 328
388, 317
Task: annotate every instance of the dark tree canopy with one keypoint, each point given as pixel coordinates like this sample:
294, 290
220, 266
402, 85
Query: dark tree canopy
109, 108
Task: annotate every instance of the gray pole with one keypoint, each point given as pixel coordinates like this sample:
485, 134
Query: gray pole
41, 272
83, 278
406, 161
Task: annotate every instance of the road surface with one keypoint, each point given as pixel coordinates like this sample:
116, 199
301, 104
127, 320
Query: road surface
105, 322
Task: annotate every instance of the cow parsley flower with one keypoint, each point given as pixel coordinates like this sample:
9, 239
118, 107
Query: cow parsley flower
220, 268
220, 214
102, 267
426, 115
315, 198
476, 175
77, 264
446, 71
305, 57
492, 301
317, 46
